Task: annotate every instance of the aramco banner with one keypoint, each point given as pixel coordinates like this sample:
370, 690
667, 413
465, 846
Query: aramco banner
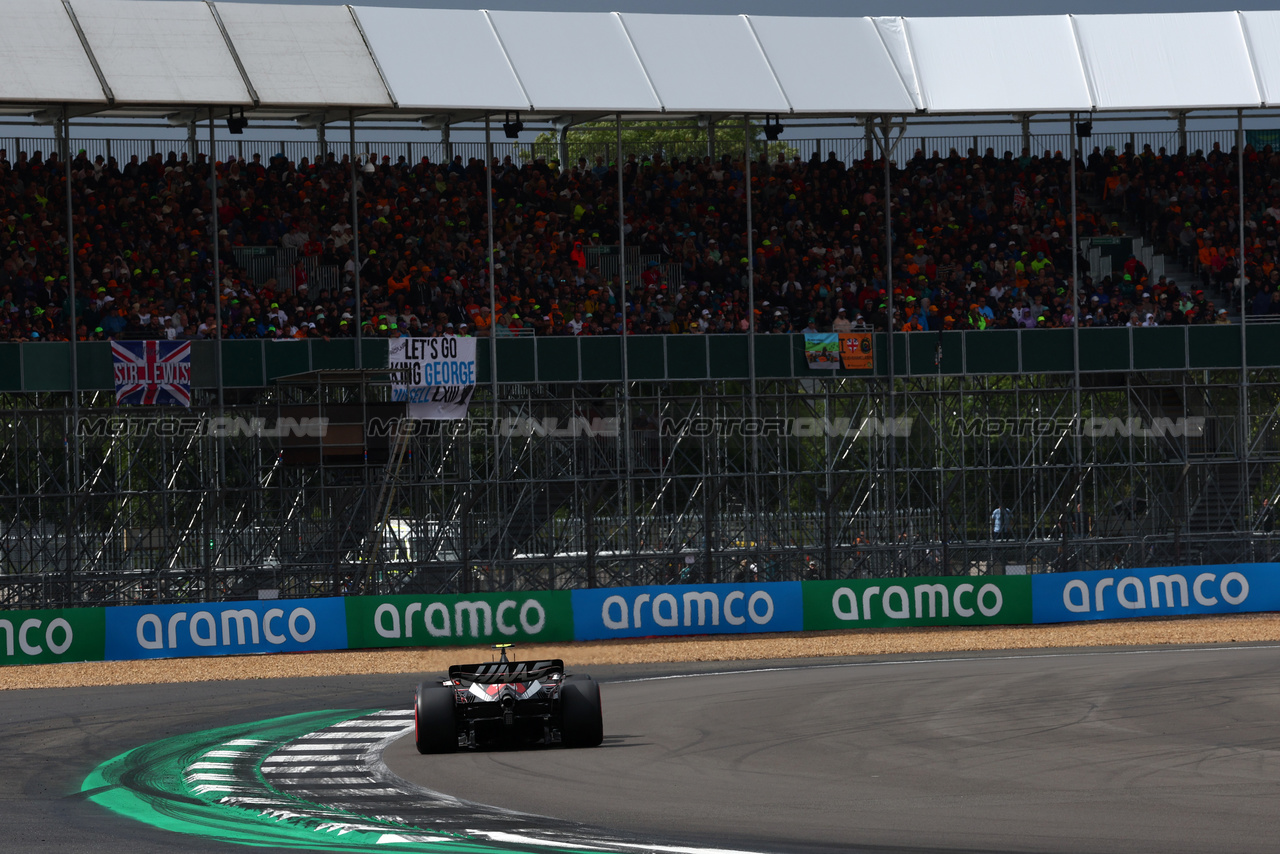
1169, 591
687, 609
887, 602
435, 376
459, 619
555, 616
45, 637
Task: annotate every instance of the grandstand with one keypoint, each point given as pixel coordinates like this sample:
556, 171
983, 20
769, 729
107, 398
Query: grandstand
1108, 389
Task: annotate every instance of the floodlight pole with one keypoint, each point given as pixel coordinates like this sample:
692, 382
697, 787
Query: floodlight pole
355, 239
626, 381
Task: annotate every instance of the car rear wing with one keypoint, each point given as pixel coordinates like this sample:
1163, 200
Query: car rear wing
499, 672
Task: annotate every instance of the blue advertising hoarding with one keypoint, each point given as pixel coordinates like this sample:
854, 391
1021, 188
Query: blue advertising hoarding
687, 609
228, 628
1156, 592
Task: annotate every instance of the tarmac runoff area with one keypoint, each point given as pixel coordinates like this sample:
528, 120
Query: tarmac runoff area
1228, 629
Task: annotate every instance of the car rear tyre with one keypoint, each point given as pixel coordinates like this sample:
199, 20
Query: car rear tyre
435, 726
582, 723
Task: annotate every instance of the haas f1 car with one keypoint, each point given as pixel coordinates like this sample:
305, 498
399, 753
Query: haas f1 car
508, 704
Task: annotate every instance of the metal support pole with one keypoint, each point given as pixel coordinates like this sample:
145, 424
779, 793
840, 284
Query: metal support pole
562, 147
1245, 438
1182, 132
191, 140
1025, 121
887, 147
753, 389
626, 375
446, 143
217, 271
73, 544
1075, 313
711, 138
355, 240
217, 357
322, 144
493, 309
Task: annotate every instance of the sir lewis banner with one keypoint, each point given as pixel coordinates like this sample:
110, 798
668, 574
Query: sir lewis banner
152, 372
435, 376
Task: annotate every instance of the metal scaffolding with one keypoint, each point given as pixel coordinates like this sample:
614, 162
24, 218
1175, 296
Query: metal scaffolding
1168, 475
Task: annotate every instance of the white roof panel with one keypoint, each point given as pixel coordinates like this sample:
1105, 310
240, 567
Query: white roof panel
441, 59
316, 58
705, 63
997, 65
832, 65
161, 52
41, 57
575, 61
1262, 29
893, 33
1187, 61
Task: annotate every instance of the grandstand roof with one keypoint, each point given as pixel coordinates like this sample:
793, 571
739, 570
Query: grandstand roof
170, 57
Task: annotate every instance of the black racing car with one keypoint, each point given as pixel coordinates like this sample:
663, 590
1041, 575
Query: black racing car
508, 704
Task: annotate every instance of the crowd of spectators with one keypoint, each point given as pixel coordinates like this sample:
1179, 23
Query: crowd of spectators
979, 241
1189, 207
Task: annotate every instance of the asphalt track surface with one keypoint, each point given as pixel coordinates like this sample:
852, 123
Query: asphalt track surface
1161, 750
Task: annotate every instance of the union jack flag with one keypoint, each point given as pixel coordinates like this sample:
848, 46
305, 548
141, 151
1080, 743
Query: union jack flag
1019, 197
156, 373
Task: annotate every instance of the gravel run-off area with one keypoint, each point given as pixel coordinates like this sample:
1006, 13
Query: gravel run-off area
1236, 628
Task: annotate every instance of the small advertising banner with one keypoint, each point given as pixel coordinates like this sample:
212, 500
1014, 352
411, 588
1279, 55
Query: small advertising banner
856, 353
821, 350
435, 376
152, 373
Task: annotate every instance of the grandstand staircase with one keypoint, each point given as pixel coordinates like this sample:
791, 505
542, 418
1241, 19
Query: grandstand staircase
1157, 264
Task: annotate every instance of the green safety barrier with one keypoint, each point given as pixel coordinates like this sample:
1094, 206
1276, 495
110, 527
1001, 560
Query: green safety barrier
889, 602
459, 620
45, 637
